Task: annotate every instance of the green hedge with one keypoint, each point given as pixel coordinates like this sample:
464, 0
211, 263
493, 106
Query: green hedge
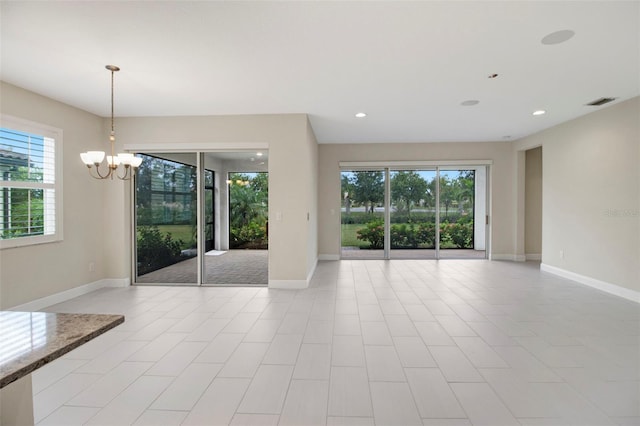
417, 235
361, 218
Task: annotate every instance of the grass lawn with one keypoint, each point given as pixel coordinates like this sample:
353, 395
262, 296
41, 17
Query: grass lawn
349, 236
179, 232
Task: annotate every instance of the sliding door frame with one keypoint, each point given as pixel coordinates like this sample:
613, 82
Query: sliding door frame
387, 166
199, 150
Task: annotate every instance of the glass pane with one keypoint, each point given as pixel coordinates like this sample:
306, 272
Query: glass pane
26, 212
457, 214
26, 157
362, 214
208, 179
166, 219
413, 218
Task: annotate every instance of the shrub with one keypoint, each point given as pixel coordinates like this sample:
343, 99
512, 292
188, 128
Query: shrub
155, 250
404, 236
250, 235
461, 234
374, 233
427, 234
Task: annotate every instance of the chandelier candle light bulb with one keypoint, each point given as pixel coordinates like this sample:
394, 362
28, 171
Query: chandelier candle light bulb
94, 158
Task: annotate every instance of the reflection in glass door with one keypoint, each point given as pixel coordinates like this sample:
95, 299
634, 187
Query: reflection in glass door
166, 219
362, 214
413, 214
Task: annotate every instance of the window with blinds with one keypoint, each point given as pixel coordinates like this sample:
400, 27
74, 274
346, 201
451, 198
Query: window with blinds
29, 183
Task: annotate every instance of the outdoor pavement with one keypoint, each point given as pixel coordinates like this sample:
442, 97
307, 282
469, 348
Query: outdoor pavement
247, 267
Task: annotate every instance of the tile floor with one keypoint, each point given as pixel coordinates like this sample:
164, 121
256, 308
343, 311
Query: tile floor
457, 342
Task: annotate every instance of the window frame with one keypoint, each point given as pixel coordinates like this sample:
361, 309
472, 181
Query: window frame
27, 126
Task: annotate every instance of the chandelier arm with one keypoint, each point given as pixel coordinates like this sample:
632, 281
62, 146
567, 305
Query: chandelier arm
127, 173
100, 175
93, 175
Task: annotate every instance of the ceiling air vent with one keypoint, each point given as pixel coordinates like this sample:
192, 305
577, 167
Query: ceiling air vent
601, 101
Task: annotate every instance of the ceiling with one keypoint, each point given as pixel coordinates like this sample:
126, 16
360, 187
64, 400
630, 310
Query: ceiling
408, 65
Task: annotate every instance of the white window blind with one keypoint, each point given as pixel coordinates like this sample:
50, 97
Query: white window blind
29, 184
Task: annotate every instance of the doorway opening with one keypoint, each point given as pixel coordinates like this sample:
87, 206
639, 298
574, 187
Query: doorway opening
185, 211
533, 204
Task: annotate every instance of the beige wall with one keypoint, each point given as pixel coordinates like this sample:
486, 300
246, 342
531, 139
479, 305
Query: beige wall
32, 272
291, 179
312, 219
501, 180
591, 180
533, 203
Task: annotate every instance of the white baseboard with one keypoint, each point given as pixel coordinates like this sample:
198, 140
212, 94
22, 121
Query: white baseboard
614, 289
294, 284
63, 296
288, 284
533, 256
313, 270
328, 257
511, 257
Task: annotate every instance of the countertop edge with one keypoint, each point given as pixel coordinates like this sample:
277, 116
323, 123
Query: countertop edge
18, 374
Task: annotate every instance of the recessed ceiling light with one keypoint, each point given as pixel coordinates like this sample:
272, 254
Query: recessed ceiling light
259, 154
557, 37
470, 102
539, 112
506, 137
492, 76
361, 115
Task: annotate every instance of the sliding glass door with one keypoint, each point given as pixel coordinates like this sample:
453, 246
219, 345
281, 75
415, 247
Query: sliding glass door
458, 213
363, 214
200, 218
412, 216
414, 213
166, 219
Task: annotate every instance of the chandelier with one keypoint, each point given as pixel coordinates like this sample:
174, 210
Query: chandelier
94, 158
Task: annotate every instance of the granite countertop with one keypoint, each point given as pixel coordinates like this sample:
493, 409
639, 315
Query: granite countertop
29, 340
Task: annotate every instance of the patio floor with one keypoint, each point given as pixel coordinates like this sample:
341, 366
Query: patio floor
247, 267
355, 253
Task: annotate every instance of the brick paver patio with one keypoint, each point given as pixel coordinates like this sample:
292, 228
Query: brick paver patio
247, 267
